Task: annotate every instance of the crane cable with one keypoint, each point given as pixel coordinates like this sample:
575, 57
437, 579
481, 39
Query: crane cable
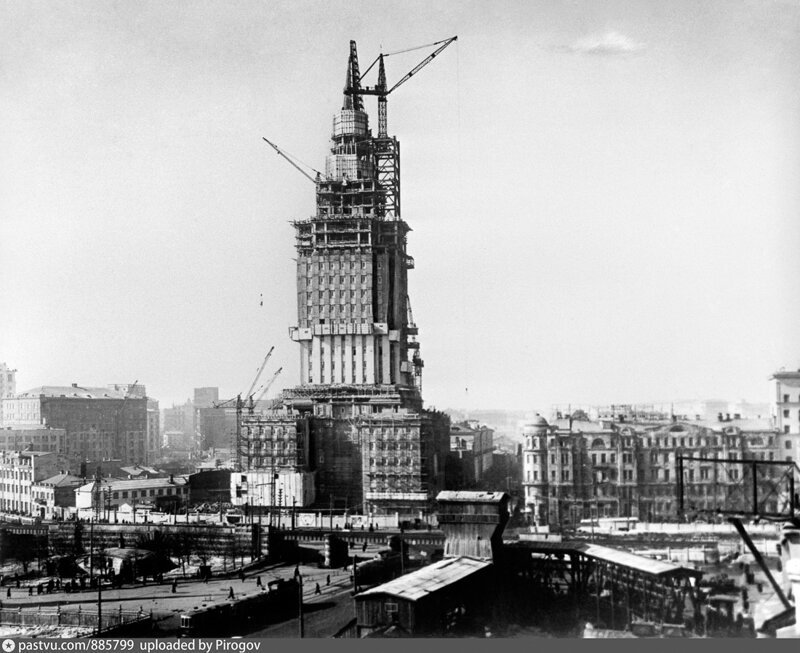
389, 54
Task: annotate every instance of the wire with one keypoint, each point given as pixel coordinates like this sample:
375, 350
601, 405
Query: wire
419, 47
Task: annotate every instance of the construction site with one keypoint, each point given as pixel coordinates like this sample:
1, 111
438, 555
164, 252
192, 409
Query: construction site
354, 435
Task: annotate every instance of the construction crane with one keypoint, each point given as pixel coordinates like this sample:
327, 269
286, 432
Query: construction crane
354, 87
267, 386
249, 392
289, 159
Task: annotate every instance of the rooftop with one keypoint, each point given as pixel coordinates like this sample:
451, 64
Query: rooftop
467, 496
71, 391
428, 580
134, 484
60, 480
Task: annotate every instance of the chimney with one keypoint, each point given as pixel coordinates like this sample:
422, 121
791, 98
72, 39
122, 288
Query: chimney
74, 385
171, 478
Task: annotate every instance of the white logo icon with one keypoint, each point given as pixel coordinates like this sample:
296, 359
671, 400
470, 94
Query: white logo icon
9, 645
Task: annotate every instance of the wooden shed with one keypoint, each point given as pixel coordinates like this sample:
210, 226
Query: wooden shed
447, 596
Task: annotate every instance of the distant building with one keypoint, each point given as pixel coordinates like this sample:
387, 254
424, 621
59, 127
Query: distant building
110, 494
100, 423
153, 447
575, 470
785, 391
470, 456
54, 497
35, 439
8, 382
19, 470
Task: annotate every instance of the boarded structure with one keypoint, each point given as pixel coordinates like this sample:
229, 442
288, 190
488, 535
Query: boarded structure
473, 523
451, 596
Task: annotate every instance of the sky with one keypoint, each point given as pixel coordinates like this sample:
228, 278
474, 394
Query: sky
604, 195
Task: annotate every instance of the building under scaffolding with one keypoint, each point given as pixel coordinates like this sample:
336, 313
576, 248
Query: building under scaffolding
356, 423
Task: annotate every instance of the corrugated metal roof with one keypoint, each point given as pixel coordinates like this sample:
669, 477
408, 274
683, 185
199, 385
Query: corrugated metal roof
607, 554
427, 580
464, 495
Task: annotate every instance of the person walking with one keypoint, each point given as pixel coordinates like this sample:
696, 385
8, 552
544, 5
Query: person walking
364, 548
175, 586
8, 593
318, 590
230, 593
327, 580
297, 571
258, 581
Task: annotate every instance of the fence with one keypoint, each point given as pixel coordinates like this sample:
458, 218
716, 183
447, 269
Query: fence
70, 618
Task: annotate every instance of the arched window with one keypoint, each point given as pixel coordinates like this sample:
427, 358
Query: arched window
598, 443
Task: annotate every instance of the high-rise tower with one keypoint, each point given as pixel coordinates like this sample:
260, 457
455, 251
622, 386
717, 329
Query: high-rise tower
352, 265
356, 421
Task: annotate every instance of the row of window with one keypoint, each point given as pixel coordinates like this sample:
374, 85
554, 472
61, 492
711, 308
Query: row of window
333, 265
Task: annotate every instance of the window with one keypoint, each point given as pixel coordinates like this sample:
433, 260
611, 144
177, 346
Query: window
786, 399
786, 412
785, 429
787, 445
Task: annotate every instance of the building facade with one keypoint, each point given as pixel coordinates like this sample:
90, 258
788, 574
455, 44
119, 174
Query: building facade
471, 453
575, 470
371, 445
8, 383
19, 471
35, 439
111, 494
99, 423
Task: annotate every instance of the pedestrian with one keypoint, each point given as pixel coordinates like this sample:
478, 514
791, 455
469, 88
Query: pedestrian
175, 586
230, 593
297, 571
30, 590
327, 580
317, 590
258, 581
8, 593
364, 548
241, 575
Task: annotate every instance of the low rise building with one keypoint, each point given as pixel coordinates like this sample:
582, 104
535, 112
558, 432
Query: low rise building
19, 470
54, 497
110, 494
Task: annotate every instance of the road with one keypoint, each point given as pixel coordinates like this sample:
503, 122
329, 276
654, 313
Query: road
167, 607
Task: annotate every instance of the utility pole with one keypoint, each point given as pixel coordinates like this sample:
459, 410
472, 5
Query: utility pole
300, 605
99, 604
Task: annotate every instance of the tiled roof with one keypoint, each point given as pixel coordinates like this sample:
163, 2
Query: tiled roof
428, 580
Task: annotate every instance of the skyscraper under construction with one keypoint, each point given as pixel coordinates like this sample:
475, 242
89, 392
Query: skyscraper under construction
355, 427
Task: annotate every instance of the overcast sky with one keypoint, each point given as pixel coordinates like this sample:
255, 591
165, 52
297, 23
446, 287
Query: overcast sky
604, 196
